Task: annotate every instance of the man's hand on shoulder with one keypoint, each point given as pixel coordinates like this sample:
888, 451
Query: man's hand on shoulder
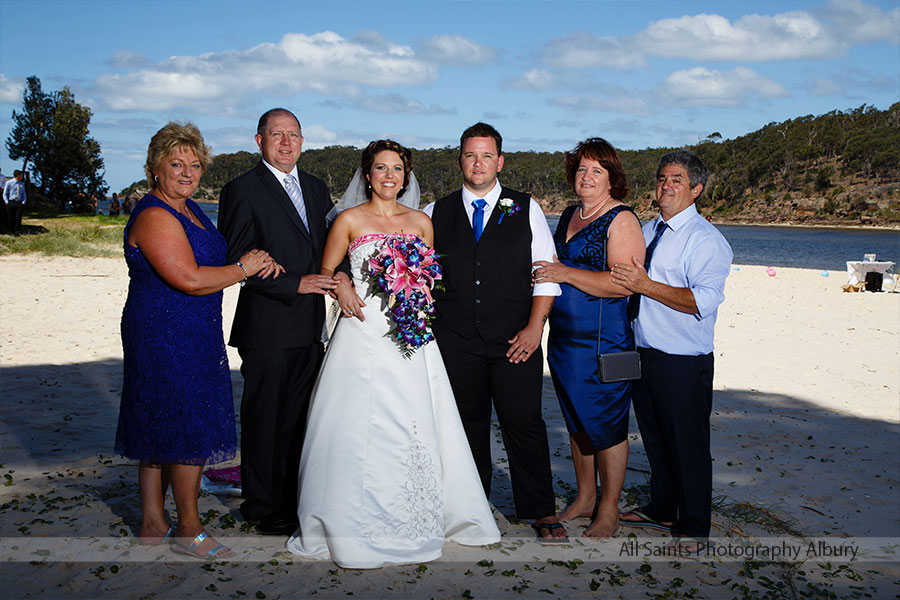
316, 284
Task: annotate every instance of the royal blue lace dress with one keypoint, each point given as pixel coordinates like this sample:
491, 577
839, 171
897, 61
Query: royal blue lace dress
598, 409
176, 403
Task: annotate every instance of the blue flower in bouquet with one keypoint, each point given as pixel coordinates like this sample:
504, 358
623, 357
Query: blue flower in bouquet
404, 270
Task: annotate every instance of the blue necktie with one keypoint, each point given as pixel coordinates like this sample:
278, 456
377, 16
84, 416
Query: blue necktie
634, 302
293, 190
478, 217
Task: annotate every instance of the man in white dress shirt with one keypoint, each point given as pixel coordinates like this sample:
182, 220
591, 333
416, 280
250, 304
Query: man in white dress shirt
490, 321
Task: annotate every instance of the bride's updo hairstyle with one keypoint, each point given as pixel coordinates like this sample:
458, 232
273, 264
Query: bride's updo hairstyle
368, 158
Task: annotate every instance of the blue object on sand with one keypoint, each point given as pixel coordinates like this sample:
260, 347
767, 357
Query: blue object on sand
824, 273
736, 269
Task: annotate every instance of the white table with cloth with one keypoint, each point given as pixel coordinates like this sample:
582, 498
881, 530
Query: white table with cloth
857, 269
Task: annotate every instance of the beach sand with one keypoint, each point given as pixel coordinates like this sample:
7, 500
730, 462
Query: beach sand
805, 439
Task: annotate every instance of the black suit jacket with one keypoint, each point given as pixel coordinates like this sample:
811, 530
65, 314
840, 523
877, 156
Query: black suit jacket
256, 212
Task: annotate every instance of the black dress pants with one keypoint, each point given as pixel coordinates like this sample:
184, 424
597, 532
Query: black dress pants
14, 215
479, 373
278, 383
672, 403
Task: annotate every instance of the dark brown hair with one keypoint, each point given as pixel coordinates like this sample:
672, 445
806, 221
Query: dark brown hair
368, 158
603, 152
481, 130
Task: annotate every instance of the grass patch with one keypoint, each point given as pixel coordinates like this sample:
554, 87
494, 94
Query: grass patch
51, 233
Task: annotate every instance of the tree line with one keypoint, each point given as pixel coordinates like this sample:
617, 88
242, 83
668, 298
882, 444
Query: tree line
798, 155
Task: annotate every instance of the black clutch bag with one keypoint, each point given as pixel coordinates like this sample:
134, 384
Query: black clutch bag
616, 366
619, 366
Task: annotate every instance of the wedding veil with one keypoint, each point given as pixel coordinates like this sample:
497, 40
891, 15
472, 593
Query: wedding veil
356, 195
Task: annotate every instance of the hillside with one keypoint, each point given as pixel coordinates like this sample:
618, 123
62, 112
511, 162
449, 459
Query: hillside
840, 168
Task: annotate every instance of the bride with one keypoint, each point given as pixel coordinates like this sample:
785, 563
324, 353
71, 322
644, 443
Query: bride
386, 474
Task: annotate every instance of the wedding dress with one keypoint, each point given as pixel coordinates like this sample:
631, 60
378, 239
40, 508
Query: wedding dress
386, 474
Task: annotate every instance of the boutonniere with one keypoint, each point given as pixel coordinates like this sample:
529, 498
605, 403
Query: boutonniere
507, 207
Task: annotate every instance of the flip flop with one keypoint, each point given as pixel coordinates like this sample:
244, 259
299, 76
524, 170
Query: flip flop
644, 521
166, 539
191, 550
549, 527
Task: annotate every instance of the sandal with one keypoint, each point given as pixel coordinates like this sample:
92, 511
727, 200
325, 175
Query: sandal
166, 539
642, 521
540, 528
191, 549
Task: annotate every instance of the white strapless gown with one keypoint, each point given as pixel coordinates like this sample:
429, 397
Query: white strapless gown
386, 474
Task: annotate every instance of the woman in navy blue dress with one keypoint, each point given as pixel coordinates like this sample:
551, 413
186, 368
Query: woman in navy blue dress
177, 411
591, 236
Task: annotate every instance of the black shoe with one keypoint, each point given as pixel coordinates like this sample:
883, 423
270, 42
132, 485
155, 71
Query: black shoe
275, 525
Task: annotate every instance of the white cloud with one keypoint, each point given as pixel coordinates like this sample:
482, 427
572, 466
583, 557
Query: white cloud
613, 99
128, 59
582, 50
865, 22
534, 80
397, 104
708, 87
824, 87
852, 83
325, 63
795, 34
11, 90
455, 49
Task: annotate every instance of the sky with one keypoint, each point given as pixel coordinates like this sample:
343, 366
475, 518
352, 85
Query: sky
546, 74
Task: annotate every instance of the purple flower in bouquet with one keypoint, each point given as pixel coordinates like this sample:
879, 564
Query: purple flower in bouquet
507, 207
404, 270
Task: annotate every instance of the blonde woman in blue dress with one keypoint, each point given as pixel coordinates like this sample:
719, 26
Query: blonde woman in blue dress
386, 474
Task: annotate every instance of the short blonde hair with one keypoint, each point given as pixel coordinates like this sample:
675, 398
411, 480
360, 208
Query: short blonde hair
170, 138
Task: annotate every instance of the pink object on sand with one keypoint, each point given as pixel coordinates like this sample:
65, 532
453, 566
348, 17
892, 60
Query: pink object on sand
230, 475
770, 272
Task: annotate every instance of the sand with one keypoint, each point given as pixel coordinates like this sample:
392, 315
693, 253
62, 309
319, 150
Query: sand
805, 439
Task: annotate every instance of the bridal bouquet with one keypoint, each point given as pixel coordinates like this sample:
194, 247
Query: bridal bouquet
404, 270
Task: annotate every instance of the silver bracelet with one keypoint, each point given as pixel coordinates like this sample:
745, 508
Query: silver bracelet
246, 275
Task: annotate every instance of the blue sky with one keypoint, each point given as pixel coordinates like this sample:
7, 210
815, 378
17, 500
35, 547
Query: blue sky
640, 73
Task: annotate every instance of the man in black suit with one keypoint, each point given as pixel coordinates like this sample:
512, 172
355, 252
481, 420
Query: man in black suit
490, 321
278, 322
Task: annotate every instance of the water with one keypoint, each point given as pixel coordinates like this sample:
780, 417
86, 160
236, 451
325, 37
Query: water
211, 210
818, 248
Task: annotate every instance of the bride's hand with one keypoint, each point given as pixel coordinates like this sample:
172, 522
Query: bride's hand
351, 304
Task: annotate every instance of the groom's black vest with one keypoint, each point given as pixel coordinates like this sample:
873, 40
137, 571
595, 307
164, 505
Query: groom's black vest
487, 283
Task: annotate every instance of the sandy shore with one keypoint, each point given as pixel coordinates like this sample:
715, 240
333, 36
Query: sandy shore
805, 436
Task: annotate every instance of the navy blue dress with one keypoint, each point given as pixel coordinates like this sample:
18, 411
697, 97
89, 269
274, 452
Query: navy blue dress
176, 403
597, 409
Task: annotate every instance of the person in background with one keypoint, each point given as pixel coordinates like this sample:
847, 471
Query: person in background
14, 196
677, 289
591, 235
114, 206
177, 409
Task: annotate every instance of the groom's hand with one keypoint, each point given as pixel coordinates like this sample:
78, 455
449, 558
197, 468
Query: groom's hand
523, 345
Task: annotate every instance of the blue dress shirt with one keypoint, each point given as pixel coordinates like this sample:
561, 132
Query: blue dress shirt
691, 254
14, 191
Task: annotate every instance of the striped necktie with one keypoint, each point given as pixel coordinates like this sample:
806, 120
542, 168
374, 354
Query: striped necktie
293, 190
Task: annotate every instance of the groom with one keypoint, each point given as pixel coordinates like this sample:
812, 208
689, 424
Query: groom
489, 321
